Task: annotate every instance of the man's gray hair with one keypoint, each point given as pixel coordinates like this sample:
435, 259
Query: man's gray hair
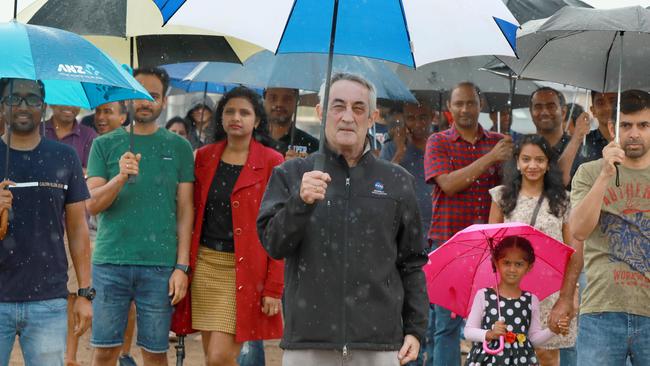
338, 76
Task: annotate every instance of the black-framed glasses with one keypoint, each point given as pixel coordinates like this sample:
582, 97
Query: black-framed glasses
16, 100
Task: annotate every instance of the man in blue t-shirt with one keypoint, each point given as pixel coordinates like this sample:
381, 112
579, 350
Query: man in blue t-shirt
46, 183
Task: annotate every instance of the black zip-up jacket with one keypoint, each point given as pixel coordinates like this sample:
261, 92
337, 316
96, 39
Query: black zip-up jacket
353, 269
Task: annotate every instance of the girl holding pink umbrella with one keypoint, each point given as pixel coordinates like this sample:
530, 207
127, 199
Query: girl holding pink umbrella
519, 325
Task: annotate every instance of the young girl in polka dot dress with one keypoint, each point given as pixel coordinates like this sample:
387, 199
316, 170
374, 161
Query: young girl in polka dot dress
519, 323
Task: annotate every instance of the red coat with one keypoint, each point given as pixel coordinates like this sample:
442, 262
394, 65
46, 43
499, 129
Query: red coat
256, 274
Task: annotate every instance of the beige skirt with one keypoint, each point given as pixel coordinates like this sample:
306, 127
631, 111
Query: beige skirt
213, 292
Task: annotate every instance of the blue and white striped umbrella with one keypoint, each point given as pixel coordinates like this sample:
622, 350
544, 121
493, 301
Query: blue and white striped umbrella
74, 71
409, 32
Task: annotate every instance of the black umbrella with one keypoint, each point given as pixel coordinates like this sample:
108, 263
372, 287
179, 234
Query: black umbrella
134, 28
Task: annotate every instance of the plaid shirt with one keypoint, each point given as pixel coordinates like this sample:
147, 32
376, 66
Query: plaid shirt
447, 152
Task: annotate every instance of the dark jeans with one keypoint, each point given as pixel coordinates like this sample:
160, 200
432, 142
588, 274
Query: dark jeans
252, 354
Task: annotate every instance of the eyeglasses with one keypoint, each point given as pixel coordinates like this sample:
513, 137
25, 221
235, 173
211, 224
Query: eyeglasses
16, 100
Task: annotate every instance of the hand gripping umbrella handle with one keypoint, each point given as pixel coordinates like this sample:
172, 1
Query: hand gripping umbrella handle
490, 351
4, 223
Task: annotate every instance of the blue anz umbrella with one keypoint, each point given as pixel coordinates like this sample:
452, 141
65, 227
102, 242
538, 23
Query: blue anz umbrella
73, 70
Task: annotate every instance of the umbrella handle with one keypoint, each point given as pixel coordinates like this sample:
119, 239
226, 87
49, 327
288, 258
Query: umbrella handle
4, 223
490, 351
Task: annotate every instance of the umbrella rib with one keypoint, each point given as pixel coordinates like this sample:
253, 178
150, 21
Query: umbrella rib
611, 45
464, 254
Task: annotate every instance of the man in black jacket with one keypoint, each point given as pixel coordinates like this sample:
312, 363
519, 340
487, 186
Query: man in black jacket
351, 238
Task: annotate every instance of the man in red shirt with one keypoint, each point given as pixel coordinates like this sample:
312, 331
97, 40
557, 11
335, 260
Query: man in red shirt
462, 163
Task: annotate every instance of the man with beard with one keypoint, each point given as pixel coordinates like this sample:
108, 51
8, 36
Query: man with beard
610, 201
548, 110
462, 163
110, 116
142, 247
63, 127
48, 195
280, 105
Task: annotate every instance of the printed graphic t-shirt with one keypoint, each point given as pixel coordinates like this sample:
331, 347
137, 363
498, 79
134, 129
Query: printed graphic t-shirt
33, 264
617, 253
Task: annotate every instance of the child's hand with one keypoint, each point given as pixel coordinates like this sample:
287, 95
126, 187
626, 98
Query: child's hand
499, 329
563, 325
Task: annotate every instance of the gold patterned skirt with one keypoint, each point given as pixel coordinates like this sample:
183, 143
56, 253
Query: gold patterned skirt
213, 291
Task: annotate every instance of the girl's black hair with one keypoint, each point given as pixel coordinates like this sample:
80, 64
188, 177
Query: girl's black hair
261, 132
513, 242
554, 189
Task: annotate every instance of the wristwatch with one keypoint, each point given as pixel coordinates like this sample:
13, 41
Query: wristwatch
88, 292
183, 267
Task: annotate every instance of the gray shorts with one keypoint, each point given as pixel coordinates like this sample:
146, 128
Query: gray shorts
336, 358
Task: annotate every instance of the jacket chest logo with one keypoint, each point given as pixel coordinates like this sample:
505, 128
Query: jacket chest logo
379, 189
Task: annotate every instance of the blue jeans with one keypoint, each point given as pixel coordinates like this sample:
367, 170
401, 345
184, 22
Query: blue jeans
446, 338
568, 356
117, 286
609, 338
41, 327
252, 354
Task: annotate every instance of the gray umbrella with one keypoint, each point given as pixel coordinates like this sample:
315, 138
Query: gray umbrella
588, 48
525, 10
582, 47
432, 82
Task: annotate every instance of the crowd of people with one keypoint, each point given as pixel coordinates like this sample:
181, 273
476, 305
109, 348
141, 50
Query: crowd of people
230, 222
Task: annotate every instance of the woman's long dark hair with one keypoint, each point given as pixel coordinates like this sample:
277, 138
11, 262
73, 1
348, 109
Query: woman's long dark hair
554, 189
261, 132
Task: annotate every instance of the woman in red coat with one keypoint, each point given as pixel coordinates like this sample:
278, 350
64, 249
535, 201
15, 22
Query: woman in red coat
236, 287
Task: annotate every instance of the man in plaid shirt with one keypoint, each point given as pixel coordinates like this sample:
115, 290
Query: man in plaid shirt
462, 163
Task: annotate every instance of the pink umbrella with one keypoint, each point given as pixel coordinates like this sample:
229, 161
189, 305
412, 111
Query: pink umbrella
462, 265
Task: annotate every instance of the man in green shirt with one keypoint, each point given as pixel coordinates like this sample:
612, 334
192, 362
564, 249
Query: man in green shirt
610, 201
144, 227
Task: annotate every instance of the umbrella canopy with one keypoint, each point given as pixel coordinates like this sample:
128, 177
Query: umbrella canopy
111, 24
392, 30
583, 47
301, 71
462, 266
178, 74
86, 78
434, 80
525, 10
